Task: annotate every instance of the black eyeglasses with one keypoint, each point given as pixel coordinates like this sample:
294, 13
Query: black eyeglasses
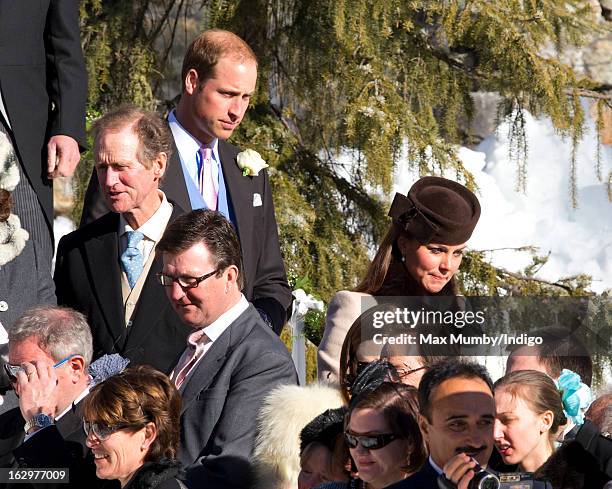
13, 370
184, 282
102, 431
369, 442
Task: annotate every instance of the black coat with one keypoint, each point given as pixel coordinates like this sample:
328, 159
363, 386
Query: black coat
58, 446
265, 279
88, 279
164, 474
43, 82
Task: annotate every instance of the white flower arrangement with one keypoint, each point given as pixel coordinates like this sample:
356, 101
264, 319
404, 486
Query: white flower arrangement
250, 162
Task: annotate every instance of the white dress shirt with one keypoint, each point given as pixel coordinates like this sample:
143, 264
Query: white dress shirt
188, 146
213, 331
153, 229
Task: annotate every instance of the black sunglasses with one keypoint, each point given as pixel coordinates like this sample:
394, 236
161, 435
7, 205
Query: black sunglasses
369, 442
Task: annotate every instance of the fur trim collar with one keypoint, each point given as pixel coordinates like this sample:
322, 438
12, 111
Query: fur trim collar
152, 474
283, 414
9, 172
12, 239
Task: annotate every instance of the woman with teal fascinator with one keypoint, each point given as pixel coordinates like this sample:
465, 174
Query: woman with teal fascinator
532, 410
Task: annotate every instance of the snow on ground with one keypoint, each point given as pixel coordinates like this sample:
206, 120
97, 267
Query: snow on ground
61, 226
578, 240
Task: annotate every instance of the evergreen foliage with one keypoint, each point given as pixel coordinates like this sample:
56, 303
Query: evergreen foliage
358, 78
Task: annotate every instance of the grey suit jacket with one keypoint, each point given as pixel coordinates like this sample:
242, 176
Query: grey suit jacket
221, 398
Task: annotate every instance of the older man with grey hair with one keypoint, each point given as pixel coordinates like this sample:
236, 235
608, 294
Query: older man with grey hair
107, 269
50, 349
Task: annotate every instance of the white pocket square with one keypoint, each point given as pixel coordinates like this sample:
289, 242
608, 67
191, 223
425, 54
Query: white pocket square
256, 200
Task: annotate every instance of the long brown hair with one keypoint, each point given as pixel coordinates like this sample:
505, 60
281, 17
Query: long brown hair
388, 261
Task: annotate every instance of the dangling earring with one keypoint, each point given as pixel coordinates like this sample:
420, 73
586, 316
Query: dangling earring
403, 259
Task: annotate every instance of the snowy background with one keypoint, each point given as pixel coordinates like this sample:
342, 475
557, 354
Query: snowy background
578, 240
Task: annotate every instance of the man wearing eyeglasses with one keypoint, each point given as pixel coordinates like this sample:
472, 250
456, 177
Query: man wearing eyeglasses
107, 269
49, 351
232, 359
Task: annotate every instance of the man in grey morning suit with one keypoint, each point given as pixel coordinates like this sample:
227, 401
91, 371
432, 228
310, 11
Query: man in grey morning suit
232, 359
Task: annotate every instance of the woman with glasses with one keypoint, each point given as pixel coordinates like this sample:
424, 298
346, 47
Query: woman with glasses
132, 426
359, 349
419, 256
383, 437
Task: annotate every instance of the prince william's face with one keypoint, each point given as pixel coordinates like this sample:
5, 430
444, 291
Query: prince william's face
216, 106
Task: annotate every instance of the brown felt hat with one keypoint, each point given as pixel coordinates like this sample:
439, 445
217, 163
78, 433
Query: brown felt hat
437, 210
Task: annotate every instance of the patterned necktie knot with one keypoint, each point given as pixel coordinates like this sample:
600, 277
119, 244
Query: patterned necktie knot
131, 258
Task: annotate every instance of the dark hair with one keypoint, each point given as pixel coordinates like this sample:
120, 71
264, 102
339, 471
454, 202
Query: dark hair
151, 129
209, 47
444, 370
381, 267
398, 404
6, 203
363, 328
561, 349
135, 397
600, 413
210, 228
538, 391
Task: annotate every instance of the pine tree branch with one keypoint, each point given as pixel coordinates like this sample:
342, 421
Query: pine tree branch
525, 278
466, 63
315, 164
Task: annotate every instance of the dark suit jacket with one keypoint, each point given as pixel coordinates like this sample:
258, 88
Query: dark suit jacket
221, 398
427, 478
88, 278
43, 81
266, 282
59, 446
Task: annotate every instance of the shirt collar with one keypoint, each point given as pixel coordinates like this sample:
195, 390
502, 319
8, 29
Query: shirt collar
154, 227
185, 142
217, 327
435, 466
73, 403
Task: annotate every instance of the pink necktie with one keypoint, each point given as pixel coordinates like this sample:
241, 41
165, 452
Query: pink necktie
196, 342
205, 179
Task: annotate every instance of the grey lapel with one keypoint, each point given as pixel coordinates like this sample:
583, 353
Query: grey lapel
206, 370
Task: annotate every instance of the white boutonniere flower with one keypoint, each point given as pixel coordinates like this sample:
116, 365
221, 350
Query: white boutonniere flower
250, 162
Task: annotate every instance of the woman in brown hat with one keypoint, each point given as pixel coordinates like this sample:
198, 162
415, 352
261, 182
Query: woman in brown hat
419, 256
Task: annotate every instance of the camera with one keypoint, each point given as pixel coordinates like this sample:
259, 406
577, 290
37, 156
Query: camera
484, 479
512, 480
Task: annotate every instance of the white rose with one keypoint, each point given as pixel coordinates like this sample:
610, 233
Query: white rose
250, 162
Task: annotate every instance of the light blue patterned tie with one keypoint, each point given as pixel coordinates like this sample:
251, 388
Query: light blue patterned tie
131, 258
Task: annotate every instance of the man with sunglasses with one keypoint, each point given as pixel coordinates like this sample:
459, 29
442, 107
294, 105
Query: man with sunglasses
232, 359
107, 269
49, 351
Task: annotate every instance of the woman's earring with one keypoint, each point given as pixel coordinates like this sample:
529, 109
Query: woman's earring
403, 259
